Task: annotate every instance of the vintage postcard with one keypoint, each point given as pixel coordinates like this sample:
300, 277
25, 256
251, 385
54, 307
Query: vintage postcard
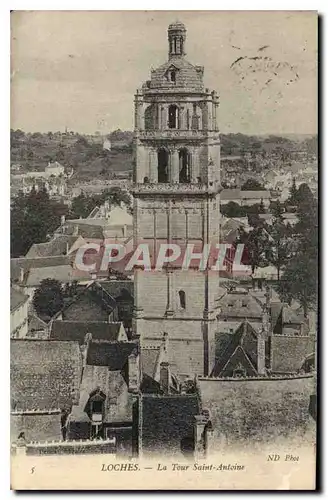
164, 250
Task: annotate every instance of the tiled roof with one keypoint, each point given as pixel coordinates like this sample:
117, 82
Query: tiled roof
44, 374
116, 287
258, 195
187, 75
60, 245
167, 422
36, 263
17, 299
35, 323
87, 228
114, 355
289, 353
238, 194
239, 305
93, 293
290, 315
148, 356
231, 343
77, 330
230, 194
64, 273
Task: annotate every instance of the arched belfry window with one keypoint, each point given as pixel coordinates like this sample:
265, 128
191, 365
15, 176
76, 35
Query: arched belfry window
173, 116
182, 298
150, 117
173, 75
163, 165
184, 166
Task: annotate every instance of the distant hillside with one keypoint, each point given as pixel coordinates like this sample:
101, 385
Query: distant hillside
85, 153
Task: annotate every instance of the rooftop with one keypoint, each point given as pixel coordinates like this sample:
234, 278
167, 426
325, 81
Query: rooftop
77, 330
44, 374
17, 299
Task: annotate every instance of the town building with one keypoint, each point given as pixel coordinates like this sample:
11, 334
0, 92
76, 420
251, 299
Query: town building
18, 313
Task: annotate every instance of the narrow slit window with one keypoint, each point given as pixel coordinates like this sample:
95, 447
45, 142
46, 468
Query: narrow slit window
182, 298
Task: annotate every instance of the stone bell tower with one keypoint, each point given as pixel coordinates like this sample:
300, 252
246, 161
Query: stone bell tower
176, 200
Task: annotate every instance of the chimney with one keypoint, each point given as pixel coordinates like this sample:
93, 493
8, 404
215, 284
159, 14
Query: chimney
84, 349
106, 209
21, 275
164, 377
134, 371
267, 298
199, 436
261, 339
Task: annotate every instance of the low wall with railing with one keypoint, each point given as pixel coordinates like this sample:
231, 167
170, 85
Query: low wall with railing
81, 447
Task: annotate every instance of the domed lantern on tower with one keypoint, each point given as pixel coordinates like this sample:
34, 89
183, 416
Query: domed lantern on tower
177, 37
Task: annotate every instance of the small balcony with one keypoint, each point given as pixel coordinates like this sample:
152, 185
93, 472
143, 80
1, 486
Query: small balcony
176, 134
176, 188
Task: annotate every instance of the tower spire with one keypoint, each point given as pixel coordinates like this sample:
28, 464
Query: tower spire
177, 38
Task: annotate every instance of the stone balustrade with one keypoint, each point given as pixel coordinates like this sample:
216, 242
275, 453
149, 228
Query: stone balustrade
166, 188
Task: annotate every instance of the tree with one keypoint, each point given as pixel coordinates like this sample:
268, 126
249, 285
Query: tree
280, 250
304, 195
293, 193
33, 217
256, 244
300, 279
300, 282
261, 207
82, 205
232, 209
48, 298
252, 185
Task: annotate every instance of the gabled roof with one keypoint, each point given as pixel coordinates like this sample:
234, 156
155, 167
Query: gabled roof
149, 356
77, 330
17, 299
36, 263
240, 305
239, 358
118, 288
120, 217
60, 245
258, 195
64, 273
118, 402
35, 323
95, 293
230, 346
44, 374
114, 355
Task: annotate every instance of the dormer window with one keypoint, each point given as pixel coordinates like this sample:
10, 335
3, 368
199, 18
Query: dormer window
172, 76
239, 372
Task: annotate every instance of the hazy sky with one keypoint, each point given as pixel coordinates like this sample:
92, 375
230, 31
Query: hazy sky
80, 69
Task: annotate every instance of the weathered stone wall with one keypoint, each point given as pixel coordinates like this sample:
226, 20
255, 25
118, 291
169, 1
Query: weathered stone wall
259, 410
36, 426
